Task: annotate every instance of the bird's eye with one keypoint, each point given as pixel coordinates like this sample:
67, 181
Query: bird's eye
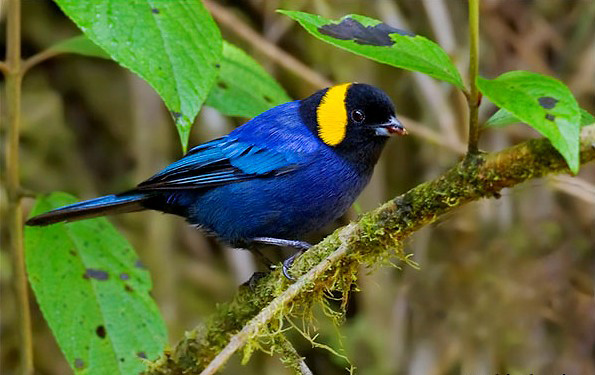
358, 115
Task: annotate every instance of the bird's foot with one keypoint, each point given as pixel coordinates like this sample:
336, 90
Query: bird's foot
288, 262
301, 246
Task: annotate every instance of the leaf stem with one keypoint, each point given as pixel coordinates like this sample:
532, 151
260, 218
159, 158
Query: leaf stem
38, 58
473, 97
15, 213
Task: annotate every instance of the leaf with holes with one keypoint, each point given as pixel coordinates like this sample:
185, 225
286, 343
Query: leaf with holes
504, 118
542, 102
94, 293
383, 43
244, 88
174, 45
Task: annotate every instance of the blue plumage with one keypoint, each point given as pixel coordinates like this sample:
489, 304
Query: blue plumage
272, 177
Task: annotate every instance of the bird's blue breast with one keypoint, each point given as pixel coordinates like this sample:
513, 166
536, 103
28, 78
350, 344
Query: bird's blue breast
319, 188
286, 206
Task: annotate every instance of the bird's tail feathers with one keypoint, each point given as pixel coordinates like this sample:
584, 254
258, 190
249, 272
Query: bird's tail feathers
107, 205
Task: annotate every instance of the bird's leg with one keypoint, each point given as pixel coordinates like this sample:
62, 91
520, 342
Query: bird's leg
301, 246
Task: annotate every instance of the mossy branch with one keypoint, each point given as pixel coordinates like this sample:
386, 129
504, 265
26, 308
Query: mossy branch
333, 263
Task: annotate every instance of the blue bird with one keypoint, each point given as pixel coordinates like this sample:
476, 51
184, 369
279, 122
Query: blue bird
288, 171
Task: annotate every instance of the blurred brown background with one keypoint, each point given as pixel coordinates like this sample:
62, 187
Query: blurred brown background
504, 285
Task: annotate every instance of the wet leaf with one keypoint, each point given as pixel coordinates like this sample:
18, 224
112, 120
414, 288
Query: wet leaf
100, 319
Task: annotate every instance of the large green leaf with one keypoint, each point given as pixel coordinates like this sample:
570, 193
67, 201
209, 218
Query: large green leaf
378, 41
174, 45
244, 88
542, 102
504, 118
94, 293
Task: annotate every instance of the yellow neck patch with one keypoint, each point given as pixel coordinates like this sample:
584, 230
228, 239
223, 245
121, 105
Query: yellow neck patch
331, 115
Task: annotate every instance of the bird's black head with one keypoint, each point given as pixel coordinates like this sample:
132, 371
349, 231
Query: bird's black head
354, 118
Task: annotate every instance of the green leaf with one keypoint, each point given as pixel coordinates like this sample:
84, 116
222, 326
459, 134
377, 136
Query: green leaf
94, 293
80, 45
501, 119
383, 43
504, 118
543, 103
174, 45
244, 88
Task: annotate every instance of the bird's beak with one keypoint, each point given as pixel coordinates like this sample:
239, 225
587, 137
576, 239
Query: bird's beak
393, 126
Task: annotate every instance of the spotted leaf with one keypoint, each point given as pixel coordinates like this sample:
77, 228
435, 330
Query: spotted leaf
94, 293
381, 42
542, 102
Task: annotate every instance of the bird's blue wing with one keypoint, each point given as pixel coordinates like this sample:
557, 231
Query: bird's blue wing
271, 144
217, 163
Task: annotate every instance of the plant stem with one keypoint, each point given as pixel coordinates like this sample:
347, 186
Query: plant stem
15, 213
473, 98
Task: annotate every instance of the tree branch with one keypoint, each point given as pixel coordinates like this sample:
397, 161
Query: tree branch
333, 263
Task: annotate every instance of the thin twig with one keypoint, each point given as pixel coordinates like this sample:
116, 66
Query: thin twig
238, 27
296, 361
432, 136
38, 58
15, 212
473, 97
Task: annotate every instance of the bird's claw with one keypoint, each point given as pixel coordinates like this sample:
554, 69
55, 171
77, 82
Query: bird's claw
287, 263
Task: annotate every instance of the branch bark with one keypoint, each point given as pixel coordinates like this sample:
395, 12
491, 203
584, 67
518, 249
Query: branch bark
333, 262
